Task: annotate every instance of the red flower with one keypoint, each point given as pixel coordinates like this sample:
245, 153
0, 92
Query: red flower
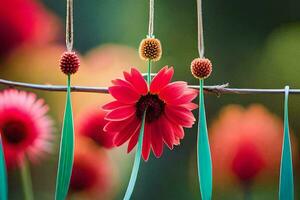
24, 21
245, 144
91, 125
26, 129
168, 108
92, 176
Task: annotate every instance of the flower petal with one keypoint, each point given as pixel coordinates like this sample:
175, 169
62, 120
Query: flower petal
133, 141
127, 132
190, 106
172, 91
112, 105
176, 141
180, 115
138, 81
146, 142
117, 126
121, 113
186, 97
124, 94
162, 78
157, 139
178, 131
167, 131
127, 76
121, 82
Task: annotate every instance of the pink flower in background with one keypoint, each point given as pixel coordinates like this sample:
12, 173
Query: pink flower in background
91, 125
25, 21
168, 108
25, 128
245, 145
92, 175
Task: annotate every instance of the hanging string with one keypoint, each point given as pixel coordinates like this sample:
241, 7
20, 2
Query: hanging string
69, 26
286, 182
151, 19
200, 29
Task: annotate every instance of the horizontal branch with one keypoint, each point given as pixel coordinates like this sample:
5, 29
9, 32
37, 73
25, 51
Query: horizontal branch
214, 89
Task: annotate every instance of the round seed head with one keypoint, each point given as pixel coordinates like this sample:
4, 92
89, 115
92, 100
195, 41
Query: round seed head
150, 49
69, 63
201, 68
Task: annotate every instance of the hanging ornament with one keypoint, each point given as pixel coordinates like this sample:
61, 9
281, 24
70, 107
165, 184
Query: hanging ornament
69, 65
201, 69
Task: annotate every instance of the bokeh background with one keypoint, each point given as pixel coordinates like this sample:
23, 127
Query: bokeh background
252, 44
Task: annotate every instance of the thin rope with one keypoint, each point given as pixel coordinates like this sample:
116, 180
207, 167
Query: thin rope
151, 19
200, 30
69, 26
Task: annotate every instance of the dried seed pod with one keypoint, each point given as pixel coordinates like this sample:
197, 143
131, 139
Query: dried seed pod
201, 68
69, 63
150, 49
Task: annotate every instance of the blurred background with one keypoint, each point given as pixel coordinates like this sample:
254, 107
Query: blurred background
252, 44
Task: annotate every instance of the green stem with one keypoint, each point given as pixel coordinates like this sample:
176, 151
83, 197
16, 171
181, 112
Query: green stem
26, 180
286, 180
138, 154
149, 73
247, 192
137, 161
3, 175
69, 83
203, 151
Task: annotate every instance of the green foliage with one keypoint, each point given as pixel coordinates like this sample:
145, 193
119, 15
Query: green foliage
66, 155
203, 151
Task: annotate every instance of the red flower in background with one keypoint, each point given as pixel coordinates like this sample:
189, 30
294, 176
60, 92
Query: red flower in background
168, 108
246, 144
91, 125
25, 128
247, 162
24, 21
92, 175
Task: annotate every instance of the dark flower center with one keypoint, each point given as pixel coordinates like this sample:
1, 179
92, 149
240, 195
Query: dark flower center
155, 107
14, 132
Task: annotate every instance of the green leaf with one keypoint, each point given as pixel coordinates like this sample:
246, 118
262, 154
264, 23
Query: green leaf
3, 177
203, 151
286, 184
137, 160
66, 154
